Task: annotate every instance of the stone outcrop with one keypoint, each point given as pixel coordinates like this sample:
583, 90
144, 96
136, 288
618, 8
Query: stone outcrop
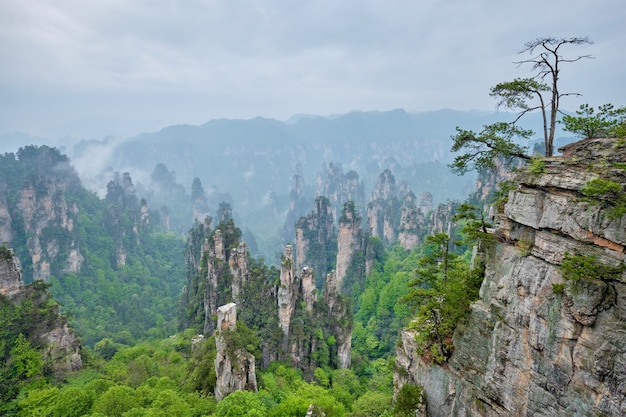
43, 208
238, 263
287, 293
339, 315
535, 344
10, 273
316, 241
394, 213
349, 240
411, 218
60, 346
199, 202
298, 206
285, 309
383, 208
234, 367
308, 288
6, 234
339, 188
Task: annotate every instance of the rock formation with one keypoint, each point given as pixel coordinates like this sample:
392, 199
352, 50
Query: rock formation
234, 366
394, 213
10, 273
535, 343
284, 309
349, 240
60, 347
339, 316
316, 241
199, 202
238, 263
411, 218
308, 288
287, 293
339, 188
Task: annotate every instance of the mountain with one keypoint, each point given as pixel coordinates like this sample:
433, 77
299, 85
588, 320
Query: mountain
116, 271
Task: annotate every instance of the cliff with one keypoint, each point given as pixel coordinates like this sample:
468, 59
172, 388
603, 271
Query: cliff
316, 242
292, 323
234, 366
349, 241
547, 336
340, 188
36, 316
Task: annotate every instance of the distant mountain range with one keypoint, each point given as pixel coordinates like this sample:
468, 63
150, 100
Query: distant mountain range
253, 161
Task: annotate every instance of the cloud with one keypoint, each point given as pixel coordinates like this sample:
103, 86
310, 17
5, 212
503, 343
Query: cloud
190, 61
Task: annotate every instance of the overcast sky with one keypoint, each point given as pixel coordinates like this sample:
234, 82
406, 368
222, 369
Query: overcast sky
95, 67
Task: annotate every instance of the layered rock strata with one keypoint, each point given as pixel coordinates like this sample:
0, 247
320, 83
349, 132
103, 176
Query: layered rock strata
535, 344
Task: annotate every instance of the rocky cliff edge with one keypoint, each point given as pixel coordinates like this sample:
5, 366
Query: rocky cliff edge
537, 344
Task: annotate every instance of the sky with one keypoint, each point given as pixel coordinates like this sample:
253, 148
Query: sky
89, 69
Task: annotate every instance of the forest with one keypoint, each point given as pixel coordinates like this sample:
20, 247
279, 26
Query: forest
140, 352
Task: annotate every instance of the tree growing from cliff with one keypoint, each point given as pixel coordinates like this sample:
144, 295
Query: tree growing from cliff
588, 123
440, 295
541, 93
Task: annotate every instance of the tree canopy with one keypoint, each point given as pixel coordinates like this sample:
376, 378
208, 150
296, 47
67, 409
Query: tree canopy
540, 92
588, 123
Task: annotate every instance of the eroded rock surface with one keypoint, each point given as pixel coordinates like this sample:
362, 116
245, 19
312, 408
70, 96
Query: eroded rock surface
235, 368
530, 349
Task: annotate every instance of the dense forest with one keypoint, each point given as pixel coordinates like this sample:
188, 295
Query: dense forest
140, 350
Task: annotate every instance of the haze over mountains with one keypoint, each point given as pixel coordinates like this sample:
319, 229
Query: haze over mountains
251, 163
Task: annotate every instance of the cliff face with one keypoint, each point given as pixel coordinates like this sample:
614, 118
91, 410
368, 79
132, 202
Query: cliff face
58, 345
339, 188
316, 242
10, 273
383, 208
395, 214
283, 306
48, 220
349, 240
535, 343
234, 367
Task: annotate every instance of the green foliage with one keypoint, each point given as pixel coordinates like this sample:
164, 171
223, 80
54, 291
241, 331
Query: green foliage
72, 402
5, 253
483, 149
25, 360
558, 288
378, 314
474, 225
606, 122
575, 268
115, 401
607, 192
408, 400
502, 194
296, 403
241, 339
241, 404
536, 165
440, 295
518, 93
22, 320
106, 348
371, 404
